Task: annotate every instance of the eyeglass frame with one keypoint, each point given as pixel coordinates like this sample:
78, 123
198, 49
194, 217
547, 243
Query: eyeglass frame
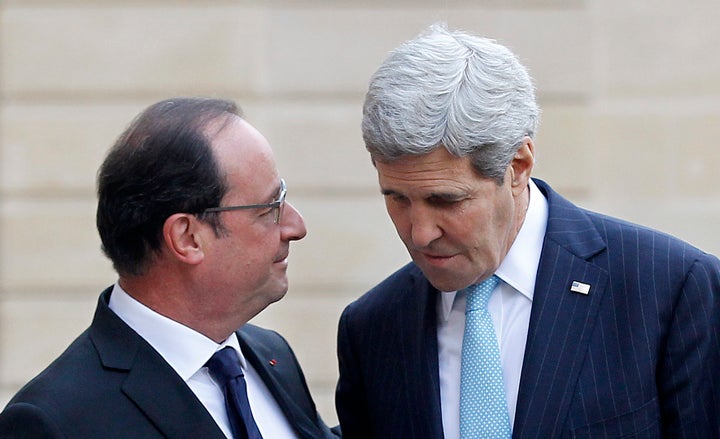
278, 204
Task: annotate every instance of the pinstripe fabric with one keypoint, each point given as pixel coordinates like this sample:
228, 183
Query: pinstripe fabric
392, 362
638, 356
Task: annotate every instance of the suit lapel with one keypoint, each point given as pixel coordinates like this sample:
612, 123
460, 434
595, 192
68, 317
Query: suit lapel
417, 329
260, 357
155, 388
166, 400
561, 320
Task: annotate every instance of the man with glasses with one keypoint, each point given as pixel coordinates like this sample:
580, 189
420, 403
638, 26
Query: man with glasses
192, 213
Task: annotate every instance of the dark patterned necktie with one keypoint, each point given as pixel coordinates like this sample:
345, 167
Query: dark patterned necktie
224, 367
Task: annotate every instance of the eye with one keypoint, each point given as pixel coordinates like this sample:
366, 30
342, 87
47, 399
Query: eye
439, 202
399, 197
444, 202
270, 209
396, 198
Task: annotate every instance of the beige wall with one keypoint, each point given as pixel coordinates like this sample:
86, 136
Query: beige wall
630, 93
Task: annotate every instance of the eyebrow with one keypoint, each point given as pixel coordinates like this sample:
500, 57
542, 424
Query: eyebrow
275, 194
447, 196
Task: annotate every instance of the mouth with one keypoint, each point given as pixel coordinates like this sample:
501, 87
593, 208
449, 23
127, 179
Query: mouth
282, 259
434, 259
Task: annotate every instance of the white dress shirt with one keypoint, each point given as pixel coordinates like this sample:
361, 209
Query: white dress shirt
186, 351
509, 307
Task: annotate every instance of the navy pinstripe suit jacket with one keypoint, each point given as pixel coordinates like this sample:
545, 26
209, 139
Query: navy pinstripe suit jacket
637, 357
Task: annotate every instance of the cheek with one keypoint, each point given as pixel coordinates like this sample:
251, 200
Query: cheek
251, 247
398, 217
480, 229
503, 224
506, 208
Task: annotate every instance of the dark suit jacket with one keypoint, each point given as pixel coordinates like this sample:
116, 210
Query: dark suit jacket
636, 357
110, 383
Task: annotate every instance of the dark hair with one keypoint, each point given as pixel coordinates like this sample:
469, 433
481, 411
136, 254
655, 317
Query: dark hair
162, 164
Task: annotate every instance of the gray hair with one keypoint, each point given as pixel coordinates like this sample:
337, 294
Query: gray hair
468, 94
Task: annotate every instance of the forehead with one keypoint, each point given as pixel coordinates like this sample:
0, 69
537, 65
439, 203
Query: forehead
242, 152
436, 169
232, 136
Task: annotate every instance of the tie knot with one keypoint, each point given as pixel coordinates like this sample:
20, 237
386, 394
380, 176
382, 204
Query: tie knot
478, 295
224, 365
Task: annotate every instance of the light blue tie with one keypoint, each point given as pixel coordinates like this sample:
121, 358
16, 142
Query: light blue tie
483, 407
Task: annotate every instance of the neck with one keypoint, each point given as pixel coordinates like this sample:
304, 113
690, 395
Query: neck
180, 304
522, 204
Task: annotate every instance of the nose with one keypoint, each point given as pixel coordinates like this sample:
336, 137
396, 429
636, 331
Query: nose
424, 229
293, 224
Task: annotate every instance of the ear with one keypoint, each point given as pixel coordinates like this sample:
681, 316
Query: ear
182, 239
522, 165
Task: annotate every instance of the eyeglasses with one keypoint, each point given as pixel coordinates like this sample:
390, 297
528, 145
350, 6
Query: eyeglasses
278, 204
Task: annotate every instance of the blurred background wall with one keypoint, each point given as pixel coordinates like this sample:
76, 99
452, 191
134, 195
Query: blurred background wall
630, 92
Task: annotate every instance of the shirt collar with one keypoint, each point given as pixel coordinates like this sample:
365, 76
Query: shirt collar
184, 349
519, 268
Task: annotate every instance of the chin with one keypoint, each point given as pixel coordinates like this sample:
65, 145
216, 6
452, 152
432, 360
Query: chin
277, 294
444, 282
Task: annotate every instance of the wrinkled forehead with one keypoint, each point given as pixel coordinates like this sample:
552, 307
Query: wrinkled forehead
439, 168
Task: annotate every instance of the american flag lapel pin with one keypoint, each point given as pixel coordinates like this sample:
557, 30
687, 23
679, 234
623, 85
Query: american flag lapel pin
580, 288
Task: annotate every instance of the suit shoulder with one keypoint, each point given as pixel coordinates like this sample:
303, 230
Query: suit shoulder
23, 420
60, 383
616, 230
264, 342
262, 335
653, 253
392, 292
589, 232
